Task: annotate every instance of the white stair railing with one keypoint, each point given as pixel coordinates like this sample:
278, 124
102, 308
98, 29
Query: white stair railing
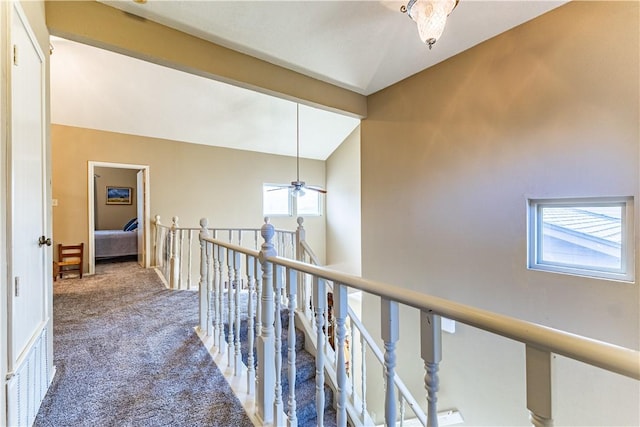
176, 247
540, 342
356, 404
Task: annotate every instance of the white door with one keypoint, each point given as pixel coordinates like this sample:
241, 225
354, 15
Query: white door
29, 252
140, 196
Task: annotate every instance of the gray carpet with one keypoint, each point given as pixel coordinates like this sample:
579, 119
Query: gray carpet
127, 355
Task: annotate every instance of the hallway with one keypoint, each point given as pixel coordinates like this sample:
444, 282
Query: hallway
126, 354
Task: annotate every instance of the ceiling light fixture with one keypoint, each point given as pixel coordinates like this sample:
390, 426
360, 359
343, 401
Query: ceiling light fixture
430, 16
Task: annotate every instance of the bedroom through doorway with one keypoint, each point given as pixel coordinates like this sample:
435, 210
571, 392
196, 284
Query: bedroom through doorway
118, 213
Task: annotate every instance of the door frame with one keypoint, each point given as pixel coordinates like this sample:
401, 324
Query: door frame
9, 361
91, 209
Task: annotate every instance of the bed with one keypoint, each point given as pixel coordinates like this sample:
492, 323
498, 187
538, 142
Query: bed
115, 243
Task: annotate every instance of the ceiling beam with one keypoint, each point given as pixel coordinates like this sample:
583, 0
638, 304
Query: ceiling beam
108, 28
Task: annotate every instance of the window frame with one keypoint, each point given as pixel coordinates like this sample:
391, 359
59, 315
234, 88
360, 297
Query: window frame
626, 272
292, 202
289, 202
320, 204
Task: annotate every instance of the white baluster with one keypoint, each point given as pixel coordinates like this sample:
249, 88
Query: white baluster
258, 299
189, 259
238, 287
293, 245
158, 242
220, 300
166, 255
302, 294
230, 312
363, 377
278, 412
328, 318
292, 287
266, 365
175, 257
180, 252
340, 307
390, 333
431, 351
216, 301
204, 273
402, 409
319, 304
352, 352
540, 367
211, 314
251, 362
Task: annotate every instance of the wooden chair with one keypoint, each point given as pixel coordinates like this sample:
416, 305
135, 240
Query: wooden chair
70, 259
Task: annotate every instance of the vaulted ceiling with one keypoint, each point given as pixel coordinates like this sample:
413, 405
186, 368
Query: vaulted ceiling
363, 46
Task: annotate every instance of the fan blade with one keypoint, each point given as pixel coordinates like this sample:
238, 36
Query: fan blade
280, 187
314, 188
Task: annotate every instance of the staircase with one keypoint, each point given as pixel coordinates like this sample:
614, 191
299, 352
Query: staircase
305, 385
295, 276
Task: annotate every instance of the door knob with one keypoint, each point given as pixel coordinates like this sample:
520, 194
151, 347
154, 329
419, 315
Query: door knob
44, 241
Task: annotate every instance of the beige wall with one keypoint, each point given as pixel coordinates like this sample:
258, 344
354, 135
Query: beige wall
343, 206
449, 158
186, 180
114, 217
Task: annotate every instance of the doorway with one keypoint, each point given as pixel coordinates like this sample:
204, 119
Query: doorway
142, 202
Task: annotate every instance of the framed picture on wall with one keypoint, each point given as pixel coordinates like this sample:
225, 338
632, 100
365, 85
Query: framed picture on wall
118, 195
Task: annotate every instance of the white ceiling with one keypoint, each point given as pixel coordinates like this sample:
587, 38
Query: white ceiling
364, 46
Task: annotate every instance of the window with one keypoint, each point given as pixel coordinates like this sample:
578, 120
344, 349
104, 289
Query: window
587, 237
309, 205
278, 201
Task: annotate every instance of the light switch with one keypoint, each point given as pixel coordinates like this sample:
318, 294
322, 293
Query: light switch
54, 202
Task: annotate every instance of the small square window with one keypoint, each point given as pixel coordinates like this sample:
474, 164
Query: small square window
310, 204
276, 200
587, 237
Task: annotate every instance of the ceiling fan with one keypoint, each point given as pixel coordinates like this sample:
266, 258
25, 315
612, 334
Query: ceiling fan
297, 187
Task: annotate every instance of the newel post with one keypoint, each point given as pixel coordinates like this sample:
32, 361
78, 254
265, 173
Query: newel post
175, 258
205, 267
158, 242
266, 341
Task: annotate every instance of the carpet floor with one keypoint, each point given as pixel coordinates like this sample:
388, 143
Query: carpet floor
126, 354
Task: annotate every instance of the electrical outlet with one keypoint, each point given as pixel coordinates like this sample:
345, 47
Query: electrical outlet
449, 418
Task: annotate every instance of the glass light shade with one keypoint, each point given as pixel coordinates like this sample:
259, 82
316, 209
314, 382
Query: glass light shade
430, 17
297, 192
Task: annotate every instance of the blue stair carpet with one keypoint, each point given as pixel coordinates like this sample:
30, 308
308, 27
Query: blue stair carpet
305, 384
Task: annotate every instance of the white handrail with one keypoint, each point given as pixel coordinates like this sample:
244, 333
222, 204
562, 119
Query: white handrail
312, 256
601, 354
